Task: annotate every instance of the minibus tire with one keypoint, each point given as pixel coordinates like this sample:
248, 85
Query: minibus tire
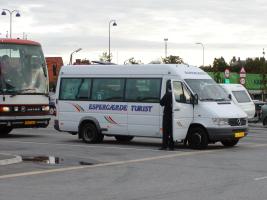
229, 143
123, 138
90, 134
197, 138
5, 131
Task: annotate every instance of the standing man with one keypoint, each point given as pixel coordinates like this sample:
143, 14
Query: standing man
166, 101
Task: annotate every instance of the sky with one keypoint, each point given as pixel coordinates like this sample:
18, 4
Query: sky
225, 27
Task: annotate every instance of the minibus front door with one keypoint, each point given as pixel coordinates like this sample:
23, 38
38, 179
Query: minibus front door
182, 110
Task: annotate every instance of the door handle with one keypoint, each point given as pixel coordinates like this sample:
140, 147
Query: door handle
177, 109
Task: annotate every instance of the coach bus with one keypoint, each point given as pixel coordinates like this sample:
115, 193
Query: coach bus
24, 101
123, 101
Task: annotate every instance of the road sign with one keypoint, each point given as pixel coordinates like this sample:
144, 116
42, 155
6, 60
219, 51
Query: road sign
242, 81
226, 73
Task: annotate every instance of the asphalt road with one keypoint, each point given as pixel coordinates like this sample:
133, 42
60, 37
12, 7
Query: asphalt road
132, 171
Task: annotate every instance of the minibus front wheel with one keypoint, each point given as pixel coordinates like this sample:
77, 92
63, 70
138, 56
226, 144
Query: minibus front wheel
90, 134
197, 138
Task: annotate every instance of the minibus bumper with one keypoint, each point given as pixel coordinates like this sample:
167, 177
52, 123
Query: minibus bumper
219, 134
25, 123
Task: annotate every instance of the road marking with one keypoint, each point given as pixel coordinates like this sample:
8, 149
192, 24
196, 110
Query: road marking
84, 145
260, 178
115, 163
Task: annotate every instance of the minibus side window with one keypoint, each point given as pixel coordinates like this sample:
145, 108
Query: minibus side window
75, 89
181, 93
107, 89
143, 90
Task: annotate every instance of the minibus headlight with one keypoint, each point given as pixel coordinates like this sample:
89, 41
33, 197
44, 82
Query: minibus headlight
220, 121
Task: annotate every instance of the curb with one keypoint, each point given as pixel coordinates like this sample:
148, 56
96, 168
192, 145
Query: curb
12, 159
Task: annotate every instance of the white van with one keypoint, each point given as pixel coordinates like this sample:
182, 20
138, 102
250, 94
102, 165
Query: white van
241, 97
123, 101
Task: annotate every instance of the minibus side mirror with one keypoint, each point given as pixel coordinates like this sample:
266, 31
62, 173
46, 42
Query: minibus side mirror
230, 96
194, 98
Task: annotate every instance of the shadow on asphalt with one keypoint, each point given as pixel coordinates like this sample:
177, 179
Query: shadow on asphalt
21, 136
153, 145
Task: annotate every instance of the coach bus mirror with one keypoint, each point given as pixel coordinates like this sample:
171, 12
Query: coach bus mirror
230, 96
194, 98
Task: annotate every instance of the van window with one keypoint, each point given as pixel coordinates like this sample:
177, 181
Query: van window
143, 90
107, 89
241, 96
75, 89
207, 89
181, 93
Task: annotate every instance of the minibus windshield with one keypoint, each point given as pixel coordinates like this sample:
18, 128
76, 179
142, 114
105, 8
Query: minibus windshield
207, 90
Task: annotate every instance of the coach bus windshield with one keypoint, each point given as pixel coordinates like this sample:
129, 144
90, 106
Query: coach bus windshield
22, 69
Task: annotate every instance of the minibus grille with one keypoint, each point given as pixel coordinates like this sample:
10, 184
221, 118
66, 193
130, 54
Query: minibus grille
237, 121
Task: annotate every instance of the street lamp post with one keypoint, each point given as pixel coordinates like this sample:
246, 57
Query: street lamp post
114, 24
77, 50
202, 51
166, 46
10, 14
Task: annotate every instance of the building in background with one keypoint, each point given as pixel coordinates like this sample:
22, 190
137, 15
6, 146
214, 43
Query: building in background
53, 64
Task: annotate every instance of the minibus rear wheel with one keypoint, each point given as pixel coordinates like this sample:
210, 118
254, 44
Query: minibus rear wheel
123, 138
90, 134
4, 131
229, 143
197, 138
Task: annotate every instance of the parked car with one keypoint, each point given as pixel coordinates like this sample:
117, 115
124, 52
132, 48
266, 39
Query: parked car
52, 106
264, 114
258, 105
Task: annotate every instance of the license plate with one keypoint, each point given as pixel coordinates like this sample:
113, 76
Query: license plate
239, 134
30, 122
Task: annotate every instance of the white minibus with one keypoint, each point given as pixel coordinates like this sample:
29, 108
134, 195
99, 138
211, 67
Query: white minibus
241, 97
94, 101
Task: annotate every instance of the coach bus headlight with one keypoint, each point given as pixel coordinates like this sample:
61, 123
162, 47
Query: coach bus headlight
5, 109
45, 108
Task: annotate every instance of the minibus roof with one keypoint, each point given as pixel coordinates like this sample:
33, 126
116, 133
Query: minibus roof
181, 70
234, 86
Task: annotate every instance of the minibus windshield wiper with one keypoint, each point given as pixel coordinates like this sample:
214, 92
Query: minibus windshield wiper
208, 99
212, 99
221, 99
24, 91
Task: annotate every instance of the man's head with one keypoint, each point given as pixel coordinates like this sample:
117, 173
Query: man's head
5, 61
168, 86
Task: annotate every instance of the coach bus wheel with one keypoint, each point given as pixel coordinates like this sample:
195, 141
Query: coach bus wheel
229, 143
197, 138
123, 138
5, 131
90, 134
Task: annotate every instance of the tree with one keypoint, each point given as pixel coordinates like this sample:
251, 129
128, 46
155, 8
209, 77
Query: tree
132, 61
157, 61
105, 57
172, 60
219, 65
